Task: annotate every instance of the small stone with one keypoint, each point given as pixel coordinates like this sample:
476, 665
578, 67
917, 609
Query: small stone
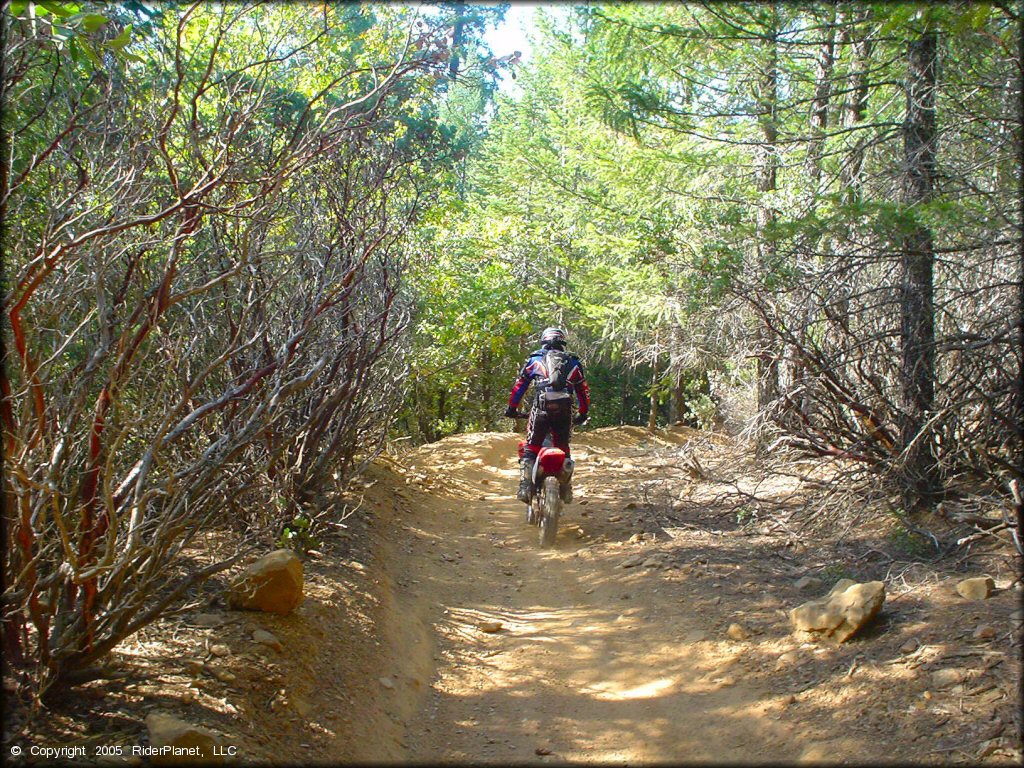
542, 751
168, 731
948, 677
220, 650
387, 682
984, 632
910, 646
208, 620
787, 659
263, 637
489, 626
636, 538
807, 583
223, 675
977, 588
614, 518
632, 561
652, 562
736, 632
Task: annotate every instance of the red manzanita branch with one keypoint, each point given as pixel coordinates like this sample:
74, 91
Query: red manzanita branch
92, 527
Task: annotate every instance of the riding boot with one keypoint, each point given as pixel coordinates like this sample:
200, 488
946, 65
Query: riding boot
565, 491
525, 480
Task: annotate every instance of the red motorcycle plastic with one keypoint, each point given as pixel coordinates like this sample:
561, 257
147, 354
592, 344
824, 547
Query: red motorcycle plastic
551, 470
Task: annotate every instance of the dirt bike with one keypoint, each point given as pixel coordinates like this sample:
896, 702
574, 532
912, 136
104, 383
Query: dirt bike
551, 470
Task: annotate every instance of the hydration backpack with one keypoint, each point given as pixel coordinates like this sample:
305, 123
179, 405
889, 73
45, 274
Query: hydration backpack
552, 394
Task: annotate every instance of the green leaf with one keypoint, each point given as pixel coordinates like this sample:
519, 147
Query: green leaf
90, 22
119, 42
90, 53
61, 33
18, 7
58, 9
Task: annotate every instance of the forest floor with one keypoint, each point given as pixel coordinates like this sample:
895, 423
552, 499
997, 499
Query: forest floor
616, 646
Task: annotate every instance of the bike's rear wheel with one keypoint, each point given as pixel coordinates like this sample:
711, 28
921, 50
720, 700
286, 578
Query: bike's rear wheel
550, 511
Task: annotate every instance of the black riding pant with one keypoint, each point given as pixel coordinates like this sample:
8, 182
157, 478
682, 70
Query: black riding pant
556, 421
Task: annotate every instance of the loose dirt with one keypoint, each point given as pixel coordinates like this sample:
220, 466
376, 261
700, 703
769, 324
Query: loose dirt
614, 646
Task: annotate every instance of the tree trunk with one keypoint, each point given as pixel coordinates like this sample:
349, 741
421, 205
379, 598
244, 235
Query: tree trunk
856, 100
767, 176
652, 417
917, 311
457, 35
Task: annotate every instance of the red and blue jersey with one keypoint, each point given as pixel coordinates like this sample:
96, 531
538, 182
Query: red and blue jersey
533, 369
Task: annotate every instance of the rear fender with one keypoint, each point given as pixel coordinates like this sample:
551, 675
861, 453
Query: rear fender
551, 461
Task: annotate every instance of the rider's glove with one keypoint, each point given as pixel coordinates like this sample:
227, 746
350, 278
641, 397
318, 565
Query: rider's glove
511, 412
580, 419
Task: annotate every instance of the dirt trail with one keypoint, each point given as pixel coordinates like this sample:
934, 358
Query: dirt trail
594, 662
616, 646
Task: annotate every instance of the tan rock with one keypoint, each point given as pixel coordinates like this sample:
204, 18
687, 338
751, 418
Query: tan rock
489, 626
787, 659
977, 588
736, 632
263, 637
984, 632
807, 583
272, 584
948, 677
842, 612
910, 646
168, 731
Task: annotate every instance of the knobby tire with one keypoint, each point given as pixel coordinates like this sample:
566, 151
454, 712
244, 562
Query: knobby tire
550, 512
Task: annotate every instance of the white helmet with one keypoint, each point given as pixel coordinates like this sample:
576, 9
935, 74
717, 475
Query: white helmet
553, 337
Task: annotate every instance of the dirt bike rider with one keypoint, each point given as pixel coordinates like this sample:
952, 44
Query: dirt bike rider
551, 410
